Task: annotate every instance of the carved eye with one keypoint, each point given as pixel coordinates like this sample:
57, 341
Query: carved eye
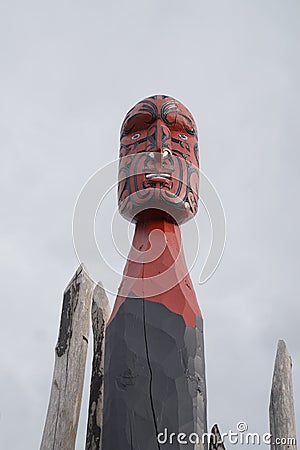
135, 136
183, 136
167, 153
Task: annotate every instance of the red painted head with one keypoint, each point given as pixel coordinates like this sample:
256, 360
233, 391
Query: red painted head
159, 162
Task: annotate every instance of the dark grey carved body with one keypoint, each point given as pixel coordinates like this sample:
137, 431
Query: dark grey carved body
154, 378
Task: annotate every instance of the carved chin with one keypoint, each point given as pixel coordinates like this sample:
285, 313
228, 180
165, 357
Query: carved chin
160, 200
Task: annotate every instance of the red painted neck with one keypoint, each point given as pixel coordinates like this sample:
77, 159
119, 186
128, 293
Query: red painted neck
156, 270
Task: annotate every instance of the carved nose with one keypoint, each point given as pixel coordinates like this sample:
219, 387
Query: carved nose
162, 144
163, 137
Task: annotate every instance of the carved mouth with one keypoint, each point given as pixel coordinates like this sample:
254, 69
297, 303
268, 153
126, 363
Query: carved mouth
155, 180
159, 177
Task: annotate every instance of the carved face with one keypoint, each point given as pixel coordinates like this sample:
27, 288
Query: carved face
159, 163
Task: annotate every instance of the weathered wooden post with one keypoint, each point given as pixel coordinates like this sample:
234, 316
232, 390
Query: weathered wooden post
216, 441
70, 357
282, 414
154, 354
100, 316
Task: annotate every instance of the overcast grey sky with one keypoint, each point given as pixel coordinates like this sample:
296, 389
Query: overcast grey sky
69, 72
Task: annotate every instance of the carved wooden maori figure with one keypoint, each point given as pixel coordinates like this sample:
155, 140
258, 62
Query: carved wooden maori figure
154, 354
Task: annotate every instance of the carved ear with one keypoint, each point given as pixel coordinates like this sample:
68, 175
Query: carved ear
214, 208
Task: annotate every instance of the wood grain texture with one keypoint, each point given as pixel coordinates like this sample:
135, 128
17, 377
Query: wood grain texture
100, 316
282, 415
70, 357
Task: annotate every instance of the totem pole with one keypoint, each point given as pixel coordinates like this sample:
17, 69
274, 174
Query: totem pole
154, 382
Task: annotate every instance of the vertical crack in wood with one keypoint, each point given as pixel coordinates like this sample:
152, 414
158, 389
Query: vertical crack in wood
151, 375
150, 369
131, 441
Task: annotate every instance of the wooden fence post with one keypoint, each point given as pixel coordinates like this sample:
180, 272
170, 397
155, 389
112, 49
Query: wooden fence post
216, 441
70, 357
100, 316
282, 414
